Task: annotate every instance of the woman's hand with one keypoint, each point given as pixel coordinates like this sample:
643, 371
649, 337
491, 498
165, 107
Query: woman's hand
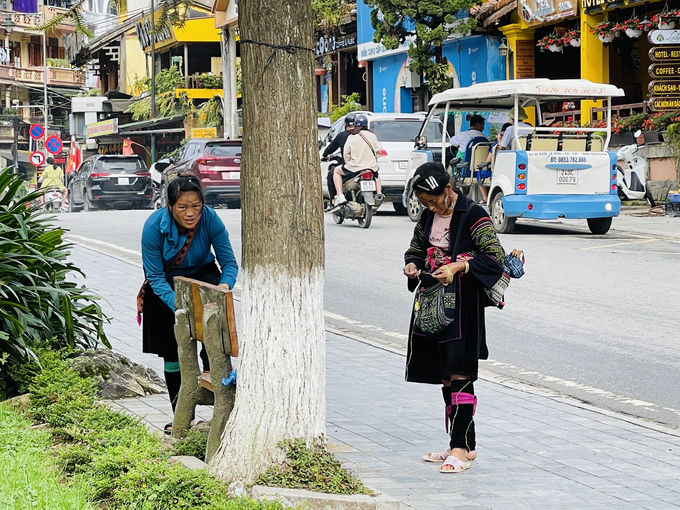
446, 273
518, 254
223, 286
411, 270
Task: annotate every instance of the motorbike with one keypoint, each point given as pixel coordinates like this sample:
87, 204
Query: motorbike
632, 180
360, 192
156, 197
53, 200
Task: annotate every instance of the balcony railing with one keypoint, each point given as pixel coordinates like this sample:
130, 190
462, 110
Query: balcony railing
55, 75
204, 81
33, 20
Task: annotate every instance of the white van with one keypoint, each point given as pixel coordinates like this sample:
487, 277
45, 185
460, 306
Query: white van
547, 172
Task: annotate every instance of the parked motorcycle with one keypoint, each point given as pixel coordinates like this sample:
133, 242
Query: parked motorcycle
53, 199
632, 180
360, 192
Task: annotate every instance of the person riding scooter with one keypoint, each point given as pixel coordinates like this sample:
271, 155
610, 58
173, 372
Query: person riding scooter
361, 153
337, 143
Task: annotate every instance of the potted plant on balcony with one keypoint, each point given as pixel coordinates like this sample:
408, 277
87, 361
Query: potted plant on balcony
572, 38
604, 31
552, 42
632, 27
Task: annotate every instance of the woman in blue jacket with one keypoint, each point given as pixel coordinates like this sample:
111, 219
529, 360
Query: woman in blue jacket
187, 231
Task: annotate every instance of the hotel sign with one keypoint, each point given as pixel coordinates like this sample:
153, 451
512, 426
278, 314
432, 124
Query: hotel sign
537, 12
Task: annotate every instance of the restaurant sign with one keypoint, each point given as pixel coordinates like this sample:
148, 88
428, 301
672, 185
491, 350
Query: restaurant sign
664, 88
664, 53
537, 12
665, 104
665, 93
103, 128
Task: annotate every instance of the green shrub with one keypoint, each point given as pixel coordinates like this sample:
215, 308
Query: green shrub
39, 302
194, 443
350, 103
314, 469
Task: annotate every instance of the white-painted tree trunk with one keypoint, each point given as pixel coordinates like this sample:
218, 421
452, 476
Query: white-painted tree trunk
281, 390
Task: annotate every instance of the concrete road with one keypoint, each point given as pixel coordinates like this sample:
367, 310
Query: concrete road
595, 317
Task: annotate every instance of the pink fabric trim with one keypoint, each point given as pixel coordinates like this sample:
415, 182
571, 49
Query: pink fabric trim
460, 399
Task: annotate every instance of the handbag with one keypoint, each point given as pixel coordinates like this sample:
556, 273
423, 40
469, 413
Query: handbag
434, 306
178, 260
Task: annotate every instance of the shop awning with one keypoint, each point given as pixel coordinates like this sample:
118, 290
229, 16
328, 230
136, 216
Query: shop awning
7, 155
132, 127
490, 12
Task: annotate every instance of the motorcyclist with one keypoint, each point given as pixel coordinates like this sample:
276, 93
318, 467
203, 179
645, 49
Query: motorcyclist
360, 153
53, 177
337, 143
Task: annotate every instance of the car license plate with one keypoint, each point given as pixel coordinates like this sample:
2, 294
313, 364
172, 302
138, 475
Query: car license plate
403, 165
368, 186
234, 176
123, 181
565, 176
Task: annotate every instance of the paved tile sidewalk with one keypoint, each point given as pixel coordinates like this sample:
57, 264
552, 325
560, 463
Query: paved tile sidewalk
537, 449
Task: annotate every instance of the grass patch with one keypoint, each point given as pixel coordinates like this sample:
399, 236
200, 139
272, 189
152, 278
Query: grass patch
314, 469
194, 444
29, 478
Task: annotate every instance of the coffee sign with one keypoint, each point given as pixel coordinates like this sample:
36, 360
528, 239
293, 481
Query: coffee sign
664, 70
537, 12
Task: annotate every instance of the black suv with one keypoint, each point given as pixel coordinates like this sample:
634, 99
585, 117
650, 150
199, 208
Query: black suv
110, 181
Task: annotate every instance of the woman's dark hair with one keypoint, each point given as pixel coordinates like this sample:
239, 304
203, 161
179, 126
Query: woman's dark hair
505, 126
184, 184
431, 178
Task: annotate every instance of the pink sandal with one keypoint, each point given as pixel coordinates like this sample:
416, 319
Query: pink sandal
457, 464
436, 457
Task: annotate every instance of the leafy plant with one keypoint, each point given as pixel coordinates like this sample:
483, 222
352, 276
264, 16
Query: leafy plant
39, 302
552, 39
211, 113
166, 82
350, 103
571, 35
604, 28
329, 14
313, 468
59, 62
194, 444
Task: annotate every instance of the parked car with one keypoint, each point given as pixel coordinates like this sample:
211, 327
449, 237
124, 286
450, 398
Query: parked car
217, 163
396, 133
110, 181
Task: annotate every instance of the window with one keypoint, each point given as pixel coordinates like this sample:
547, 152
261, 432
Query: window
191, 150
120, 164
397, 130
222, 149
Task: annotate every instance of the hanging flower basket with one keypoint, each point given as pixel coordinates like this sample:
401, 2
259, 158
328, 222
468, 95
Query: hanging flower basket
664, 20
605, 31
669, 25
552, 42
572, 38
633, 27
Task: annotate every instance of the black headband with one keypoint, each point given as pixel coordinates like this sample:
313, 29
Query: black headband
429, 184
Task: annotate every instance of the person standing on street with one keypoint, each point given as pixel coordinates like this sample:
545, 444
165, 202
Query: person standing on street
454, 240
179, 240
53, 177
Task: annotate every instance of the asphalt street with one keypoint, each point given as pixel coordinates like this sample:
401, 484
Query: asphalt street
595, 317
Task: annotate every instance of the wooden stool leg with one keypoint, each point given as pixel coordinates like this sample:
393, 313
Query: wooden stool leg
188, 366
220, 366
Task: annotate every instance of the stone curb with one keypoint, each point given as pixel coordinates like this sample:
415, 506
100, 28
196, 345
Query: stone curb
319, 501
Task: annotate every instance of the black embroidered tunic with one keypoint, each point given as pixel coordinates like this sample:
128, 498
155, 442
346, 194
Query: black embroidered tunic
457, 349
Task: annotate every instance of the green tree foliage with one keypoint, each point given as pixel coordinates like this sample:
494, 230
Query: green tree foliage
166, 82
39, 301
435, 21
328, 14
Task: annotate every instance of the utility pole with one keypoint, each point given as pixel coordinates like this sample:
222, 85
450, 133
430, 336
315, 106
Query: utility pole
45, 71
153, 78
226, 83
16, 123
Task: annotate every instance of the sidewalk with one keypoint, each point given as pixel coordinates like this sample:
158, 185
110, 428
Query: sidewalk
537, 449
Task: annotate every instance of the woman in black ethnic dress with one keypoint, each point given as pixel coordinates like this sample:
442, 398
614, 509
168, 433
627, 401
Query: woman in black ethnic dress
451, 356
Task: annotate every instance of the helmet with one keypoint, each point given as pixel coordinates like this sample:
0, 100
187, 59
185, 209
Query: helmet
349, 118
361, 121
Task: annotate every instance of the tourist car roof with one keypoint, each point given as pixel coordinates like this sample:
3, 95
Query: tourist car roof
501, 93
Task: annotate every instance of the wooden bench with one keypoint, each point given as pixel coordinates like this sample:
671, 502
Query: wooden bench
204, 313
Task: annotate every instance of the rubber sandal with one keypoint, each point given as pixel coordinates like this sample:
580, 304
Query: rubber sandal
457, 465
168, 429
436, 457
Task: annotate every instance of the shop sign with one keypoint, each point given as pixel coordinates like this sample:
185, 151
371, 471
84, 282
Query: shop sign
331, 44
145, 29
664, 88
537, 12
665, 104
524, 59
605, 5
210, 132
664, 54
664, 36
664, 70
372, 50
103, 128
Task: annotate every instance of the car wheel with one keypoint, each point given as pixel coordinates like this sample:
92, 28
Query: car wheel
413, 206
599, 226
234, 204
503, 224
88, 206
399, 207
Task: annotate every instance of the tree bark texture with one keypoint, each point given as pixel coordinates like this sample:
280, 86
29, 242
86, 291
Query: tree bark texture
280, 390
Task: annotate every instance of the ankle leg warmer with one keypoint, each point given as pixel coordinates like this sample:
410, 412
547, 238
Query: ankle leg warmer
460, 414
173, 380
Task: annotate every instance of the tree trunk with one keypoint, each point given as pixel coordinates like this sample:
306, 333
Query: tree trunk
281, 375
